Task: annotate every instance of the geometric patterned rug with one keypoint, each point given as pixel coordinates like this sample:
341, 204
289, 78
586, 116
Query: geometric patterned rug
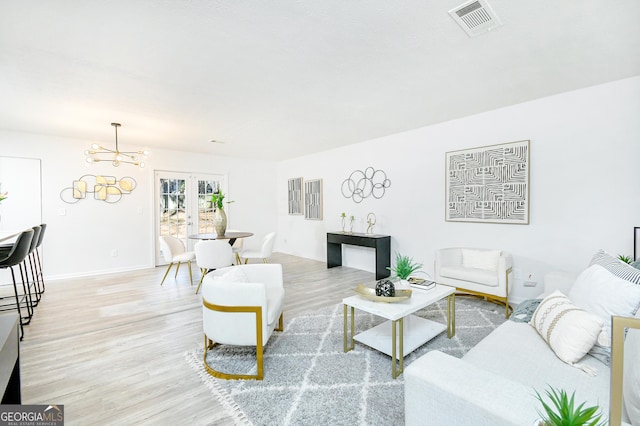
310, 380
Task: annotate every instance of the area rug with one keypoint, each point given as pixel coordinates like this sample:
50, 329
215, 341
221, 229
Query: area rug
309, 380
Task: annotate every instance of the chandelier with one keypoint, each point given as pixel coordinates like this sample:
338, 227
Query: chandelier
98, 153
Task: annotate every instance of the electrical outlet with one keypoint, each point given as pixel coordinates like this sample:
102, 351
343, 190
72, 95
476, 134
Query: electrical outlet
114, 253
530, 283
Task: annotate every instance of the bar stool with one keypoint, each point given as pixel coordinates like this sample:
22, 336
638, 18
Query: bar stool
31, 257
43, 227
16, 257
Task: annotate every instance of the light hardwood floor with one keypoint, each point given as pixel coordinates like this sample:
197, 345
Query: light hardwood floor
111, 347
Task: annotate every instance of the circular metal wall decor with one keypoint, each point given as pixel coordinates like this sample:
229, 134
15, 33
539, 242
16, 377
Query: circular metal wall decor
362, 184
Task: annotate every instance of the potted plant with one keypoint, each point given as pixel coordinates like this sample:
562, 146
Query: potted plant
219, 216
563, 412
403, 268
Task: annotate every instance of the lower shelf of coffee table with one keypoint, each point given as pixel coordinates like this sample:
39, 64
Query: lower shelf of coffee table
417, 332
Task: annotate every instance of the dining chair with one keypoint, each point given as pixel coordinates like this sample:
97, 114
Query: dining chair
237, 247
265, 251
173, 251
211, 255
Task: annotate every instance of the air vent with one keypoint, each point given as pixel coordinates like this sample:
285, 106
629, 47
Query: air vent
475, 17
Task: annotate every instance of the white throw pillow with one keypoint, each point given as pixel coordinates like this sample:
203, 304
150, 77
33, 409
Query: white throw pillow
235, 274
480, 259
569, 330
599, 292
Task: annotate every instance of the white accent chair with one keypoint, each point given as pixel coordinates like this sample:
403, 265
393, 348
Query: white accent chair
242, 306
212, 254
173, 251
483, 272
265, 251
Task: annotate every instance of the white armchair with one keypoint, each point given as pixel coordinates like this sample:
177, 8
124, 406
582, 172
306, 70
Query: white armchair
242, 306
482, 272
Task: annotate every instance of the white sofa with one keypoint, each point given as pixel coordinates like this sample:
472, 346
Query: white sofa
493, 384
484, 272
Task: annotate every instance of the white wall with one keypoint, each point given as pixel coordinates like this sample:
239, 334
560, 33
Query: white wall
80, 241
585, 151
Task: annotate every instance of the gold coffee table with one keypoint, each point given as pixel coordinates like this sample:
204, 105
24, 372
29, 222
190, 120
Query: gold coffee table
403, 332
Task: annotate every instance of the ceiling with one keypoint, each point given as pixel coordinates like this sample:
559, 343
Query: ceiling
286, 78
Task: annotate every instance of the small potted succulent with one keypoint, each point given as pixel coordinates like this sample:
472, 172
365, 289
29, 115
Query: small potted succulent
403, 268
563, 412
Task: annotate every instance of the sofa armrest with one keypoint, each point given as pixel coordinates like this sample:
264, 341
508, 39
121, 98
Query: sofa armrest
444, 390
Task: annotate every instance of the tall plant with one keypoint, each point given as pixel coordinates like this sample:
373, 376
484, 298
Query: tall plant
217, 198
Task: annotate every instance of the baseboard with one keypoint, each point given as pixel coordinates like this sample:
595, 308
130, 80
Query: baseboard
96, 273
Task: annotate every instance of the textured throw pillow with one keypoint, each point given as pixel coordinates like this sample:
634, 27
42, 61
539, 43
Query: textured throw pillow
567, 329
600, 292
480, 259
616, 266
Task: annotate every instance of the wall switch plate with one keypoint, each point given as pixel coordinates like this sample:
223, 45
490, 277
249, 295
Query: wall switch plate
530, 283
114, 253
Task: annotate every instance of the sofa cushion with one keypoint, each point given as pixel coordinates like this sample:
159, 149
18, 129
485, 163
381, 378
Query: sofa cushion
480, 259
516, 351
482, 276
570, 331
600, 292
616, 266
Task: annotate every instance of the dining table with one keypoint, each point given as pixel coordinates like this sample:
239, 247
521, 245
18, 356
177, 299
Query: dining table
231, 236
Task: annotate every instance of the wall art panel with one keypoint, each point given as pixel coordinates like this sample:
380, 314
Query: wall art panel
488, 184
313, 199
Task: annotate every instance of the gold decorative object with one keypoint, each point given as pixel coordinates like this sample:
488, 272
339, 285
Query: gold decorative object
99, 153
370, 294
343, 216
371, 220
103, 188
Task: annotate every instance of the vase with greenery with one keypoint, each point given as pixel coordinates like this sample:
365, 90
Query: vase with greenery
561, 411
403, 268
219, 216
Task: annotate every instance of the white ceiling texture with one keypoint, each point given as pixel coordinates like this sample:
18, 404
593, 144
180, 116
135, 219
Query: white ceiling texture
284, 78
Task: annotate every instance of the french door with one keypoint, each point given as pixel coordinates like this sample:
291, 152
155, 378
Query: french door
183, 205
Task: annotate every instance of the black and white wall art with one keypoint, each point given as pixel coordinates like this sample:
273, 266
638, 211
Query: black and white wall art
488, 184
313, 199
296, 205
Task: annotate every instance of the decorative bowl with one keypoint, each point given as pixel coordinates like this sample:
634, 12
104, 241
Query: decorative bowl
370, 294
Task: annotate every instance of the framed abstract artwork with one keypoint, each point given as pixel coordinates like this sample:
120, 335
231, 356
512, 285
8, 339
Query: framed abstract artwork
313, 199
488, 184
296, 205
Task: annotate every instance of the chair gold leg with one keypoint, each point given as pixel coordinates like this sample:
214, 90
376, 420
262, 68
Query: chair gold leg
265, 261
177, 269
238, 260
190, 273
166, 273
200, 283
246, 260
280, 326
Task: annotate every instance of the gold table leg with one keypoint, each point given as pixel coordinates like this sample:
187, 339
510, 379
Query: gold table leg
451, 315
350, 346
396, 369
